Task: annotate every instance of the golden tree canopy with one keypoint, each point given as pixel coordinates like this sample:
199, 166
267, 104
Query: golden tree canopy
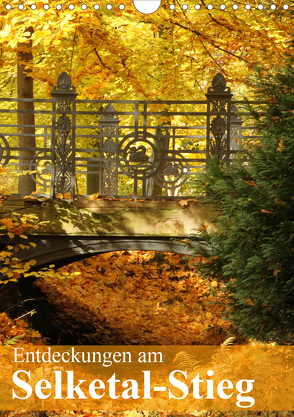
170, 54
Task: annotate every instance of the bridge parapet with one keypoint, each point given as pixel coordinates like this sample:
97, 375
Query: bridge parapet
123, 148
70, 231
83, 217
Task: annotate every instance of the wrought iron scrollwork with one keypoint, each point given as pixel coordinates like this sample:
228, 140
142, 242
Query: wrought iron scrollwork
109, 145
42, 166
216, 144
64, 83
64, 95
218, 106
4, 151
138, 154
132, 148
109, 114
174, 175
63, 162
171, 169
219, 96
64, 105
63, 125
134, 161
109, 122
218, 82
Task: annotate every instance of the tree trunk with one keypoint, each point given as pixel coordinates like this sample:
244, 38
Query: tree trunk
153, 189
26, 184
93, 178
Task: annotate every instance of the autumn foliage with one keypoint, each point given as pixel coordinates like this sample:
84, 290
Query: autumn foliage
17, 332
137, 298
124, 54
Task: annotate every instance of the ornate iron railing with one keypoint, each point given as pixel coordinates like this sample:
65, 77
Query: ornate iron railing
122, 148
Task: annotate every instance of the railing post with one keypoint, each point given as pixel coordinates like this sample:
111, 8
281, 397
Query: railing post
108, 144
235, 131
63, 143
219, 105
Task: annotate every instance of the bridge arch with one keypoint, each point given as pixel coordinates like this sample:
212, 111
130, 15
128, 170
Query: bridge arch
69, 232
64, 250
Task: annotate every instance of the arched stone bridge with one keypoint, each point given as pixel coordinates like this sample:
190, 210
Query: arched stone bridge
69, 231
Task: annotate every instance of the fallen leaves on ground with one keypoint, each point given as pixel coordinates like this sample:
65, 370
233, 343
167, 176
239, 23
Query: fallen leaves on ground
17, 332
137, 298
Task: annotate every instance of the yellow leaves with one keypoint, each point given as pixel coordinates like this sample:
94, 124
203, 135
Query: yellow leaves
249, 302
281, 146
203, 228
94, 196
177, 309
7, 222
13, 43
66, 196
30, 197
276, 271
99, 296
56, 42
4, 33
17, 226
184, 203
17, 332
4, 254
281, 203
26, 266
251, 65
142, 296
41, 34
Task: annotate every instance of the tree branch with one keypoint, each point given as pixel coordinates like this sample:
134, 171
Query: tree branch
211, 42
100, 60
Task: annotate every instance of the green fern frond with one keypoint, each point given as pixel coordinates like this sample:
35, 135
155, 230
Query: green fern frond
14, 340
229, 341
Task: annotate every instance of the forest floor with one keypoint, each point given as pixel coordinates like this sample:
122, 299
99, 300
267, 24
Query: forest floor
137, 298
128, 298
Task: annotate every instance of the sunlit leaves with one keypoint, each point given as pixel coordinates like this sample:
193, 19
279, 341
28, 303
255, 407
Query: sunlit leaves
12, 227
124, 54
148, 297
